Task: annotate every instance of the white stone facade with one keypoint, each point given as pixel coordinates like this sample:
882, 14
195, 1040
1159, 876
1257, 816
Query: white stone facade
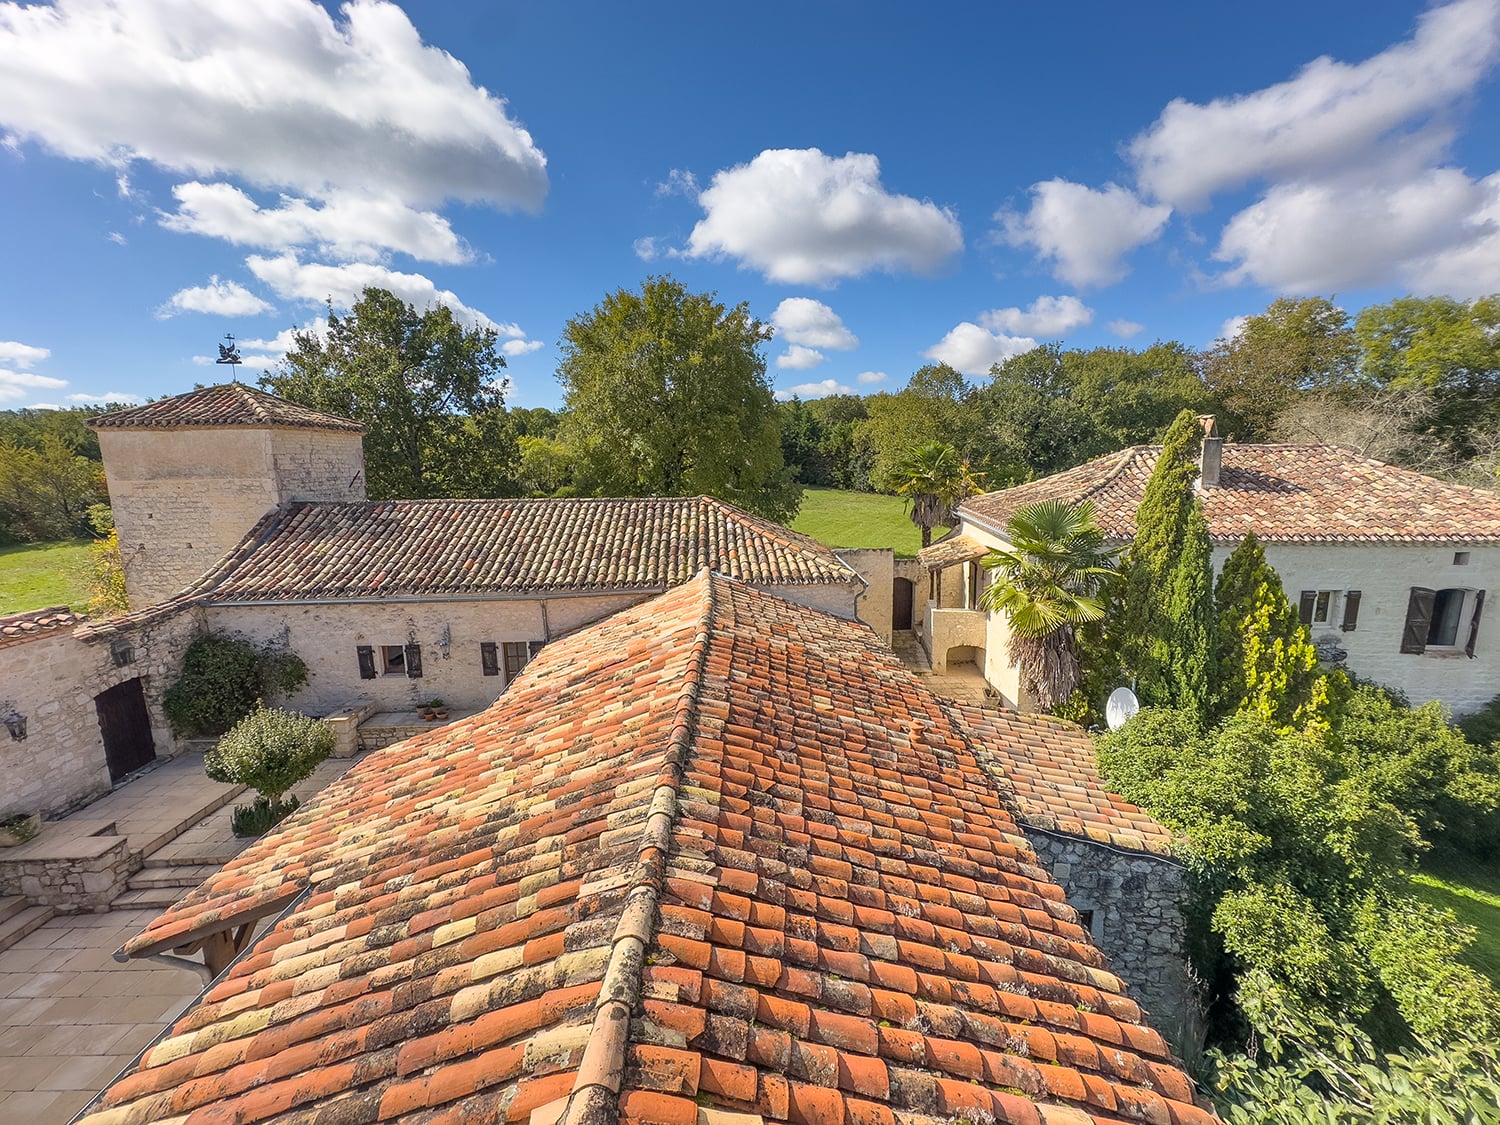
53, 681
183, 497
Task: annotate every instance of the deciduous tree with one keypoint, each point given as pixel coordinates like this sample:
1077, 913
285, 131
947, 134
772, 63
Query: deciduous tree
427, 389
667, 396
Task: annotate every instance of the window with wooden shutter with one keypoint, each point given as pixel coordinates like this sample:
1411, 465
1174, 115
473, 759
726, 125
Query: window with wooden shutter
516, 655
1351, 610
1474, 625
1305, 609
366, 655
489, 657
1418, 620
413, 655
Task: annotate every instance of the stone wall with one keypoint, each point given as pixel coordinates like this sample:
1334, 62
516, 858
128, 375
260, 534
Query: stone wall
184, 497
1136, 904
53, 680
877, 567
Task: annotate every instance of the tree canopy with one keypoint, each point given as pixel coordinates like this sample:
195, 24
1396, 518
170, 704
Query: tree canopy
667, 395
427, 389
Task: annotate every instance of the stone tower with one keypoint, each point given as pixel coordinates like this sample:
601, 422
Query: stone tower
190, 475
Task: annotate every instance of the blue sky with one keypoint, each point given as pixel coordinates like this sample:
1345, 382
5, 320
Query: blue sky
887, 184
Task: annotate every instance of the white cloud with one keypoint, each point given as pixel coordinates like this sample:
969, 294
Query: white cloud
282, 95
1471, 268
801, 320
108, 396
22, 355
645, 248
678, 182
1231, 328
814, 390
1085, 232
799, 358
343, 225
870, 377
1047, 316
520, 347
1125, 329
19, 384
804, 218
116, 237
315, 282
1331, 117
220, 298
1319, 237
974, 350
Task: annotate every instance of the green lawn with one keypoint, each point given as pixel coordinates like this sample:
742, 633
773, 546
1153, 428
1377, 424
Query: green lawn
38, 575
857, 519
1472, 891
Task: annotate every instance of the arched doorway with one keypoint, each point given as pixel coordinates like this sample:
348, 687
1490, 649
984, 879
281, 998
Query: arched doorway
903, 594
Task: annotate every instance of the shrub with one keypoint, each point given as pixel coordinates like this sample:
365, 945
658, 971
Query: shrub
1482, 728
270, 750
223, 678
260, 816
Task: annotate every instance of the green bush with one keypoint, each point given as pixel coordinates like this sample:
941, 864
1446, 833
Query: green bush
270, 750
223, 678
260, 816
1482, 728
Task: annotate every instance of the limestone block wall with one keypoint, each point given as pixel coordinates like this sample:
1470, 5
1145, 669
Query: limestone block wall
835, 598
877, 567
184, 497
327, 636
1136, 904
317, 464
1384, 575
53, 680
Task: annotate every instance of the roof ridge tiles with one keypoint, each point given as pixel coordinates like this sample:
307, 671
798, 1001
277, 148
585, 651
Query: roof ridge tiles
222, 404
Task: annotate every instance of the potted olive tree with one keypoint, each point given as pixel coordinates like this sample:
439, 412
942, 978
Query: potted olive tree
269, 750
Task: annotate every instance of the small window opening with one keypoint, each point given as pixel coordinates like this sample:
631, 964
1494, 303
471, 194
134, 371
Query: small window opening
1086, 920
1320, 607
1447, 606
393, 660
1460, 558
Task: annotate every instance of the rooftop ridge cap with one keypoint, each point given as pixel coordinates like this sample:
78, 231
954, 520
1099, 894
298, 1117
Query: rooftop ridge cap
774, 531
601, 1071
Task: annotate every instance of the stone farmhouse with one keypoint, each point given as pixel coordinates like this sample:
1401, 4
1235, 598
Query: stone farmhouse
718, 859
1389, 567
391, 603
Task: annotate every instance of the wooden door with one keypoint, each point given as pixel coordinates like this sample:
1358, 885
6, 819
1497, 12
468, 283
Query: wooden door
126, 728
901, 604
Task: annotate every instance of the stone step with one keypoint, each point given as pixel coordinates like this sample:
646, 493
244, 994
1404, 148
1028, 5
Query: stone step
11, 905
21, 923
178, 875
207, 853
149, 898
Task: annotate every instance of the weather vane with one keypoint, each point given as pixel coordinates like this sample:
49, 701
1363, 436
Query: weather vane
230, 353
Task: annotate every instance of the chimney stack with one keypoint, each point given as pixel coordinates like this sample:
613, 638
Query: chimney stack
1211, 459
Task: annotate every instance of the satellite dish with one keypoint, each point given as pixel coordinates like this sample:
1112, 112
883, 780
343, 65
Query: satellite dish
1121, 704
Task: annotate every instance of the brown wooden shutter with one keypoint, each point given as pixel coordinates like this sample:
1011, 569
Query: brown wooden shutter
1309, 603
414, 662
1474, 624
1351, 610
366, 662
1418, 620
489, 657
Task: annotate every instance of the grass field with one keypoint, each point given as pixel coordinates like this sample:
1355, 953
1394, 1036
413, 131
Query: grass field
38, 575
857, 519
1472, 891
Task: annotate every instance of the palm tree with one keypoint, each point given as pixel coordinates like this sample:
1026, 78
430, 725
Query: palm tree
934, 479
1050, 582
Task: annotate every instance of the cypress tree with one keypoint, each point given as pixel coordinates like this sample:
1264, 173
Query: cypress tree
1149, 625
1184, 650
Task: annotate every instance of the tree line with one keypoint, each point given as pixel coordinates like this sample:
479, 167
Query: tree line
665, 393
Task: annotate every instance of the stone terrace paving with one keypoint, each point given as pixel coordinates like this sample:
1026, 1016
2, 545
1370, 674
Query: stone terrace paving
71, 1016
719, 858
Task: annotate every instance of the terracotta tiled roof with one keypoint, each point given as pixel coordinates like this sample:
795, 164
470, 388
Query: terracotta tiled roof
36, 623
717, 854
225, 404
1284, 493
471, 547
1051, 766
950, 551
